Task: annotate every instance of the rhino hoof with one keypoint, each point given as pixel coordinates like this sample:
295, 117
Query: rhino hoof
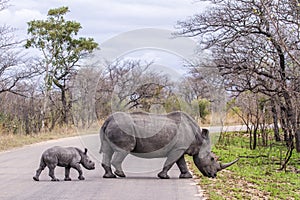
109, 176
55, 179
35, 178
120, 173
67, 179
81, 178
186, 175
163, 175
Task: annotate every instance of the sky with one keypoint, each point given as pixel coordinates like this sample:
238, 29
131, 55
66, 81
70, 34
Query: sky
110, 21
103, 19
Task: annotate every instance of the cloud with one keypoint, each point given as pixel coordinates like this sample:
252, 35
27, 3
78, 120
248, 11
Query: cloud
105, 18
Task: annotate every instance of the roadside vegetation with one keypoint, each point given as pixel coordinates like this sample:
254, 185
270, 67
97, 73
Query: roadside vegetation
248, 67
11, 141
256, 175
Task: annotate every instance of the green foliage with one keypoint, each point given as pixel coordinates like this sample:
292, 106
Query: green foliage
202, 106
173, 103
56, 38
236, 109
256, 175
9, 124
61, 49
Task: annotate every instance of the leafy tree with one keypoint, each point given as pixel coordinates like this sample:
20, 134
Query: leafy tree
61, 50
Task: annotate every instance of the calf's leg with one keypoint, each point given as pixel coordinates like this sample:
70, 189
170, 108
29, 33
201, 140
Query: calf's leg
51, 172
78, 168
39, 170
67, 174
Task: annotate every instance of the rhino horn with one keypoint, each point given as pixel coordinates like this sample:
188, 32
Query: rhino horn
224, 166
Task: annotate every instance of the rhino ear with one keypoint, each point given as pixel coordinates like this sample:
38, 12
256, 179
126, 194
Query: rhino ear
85, 150
205, 133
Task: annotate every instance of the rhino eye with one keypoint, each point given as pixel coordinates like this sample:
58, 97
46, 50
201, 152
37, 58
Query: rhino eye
212, 158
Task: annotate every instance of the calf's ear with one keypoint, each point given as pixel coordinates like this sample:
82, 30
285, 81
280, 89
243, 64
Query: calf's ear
85, 150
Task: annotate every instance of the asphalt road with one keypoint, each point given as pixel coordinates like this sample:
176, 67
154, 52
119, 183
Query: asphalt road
18, 166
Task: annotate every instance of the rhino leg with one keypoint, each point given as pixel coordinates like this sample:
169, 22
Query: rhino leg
106, 162
67, 174
185, 173
39, 170
117, 160
108, 172
51, 172
171, 159
78, 168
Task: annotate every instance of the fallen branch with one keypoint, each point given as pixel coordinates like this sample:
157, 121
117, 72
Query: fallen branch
288, 155
259, 156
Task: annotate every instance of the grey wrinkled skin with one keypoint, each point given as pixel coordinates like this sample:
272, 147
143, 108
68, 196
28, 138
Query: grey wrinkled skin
148, 135
68, 157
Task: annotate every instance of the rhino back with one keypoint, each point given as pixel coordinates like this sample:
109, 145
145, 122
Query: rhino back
143, 132
159, 138
61, 156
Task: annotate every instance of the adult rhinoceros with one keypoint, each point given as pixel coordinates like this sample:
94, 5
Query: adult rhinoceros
153, 136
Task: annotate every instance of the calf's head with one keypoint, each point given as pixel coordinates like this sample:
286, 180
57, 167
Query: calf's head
86, 161
206, 161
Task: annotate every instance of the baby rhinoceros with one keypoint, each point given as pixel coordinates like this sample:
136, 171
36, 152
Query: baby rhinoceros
68, 157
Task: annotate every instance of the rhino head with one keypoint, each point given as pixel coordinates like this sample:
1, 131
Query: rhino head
86, 161
206, 161
209, 166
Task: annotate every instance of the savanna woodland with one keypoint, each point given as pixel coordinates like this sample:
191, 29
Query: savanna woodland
247, 73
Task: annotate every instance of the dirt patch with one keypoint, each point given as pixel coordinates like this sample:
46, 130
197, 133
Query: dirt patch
237, 187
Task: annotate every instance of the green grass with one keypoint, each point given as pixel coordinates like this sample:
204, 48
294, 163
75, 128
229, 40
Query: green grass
255, 176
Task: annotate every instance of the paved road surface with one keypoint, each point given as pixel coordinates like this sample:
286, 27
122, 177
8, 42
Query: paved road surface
18, 166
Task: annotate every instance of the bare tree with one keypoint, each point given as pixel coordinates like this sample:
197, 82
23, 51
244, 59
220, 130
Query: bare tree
254, 111
116, 83
83, 93
131, 85
14, 66
254, 46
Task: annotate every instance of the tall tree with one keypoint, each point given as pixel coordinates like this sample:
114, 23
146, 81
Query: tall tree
61, 50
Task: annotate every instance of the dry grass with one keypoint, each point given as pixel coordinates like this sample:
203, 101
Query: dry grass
10, 141
228, 186
215, 120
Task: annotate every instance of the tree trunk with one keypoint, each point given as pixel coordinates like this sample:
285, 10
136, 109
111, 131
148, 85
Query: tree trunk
47, 86
275, 121
284, 124
254, 139
291, 120
64, 106
297, 138
64, 100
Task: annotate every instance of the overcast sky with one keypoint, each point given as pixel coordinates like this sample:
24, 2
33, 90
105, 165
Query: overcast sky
107, 20
103, 19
